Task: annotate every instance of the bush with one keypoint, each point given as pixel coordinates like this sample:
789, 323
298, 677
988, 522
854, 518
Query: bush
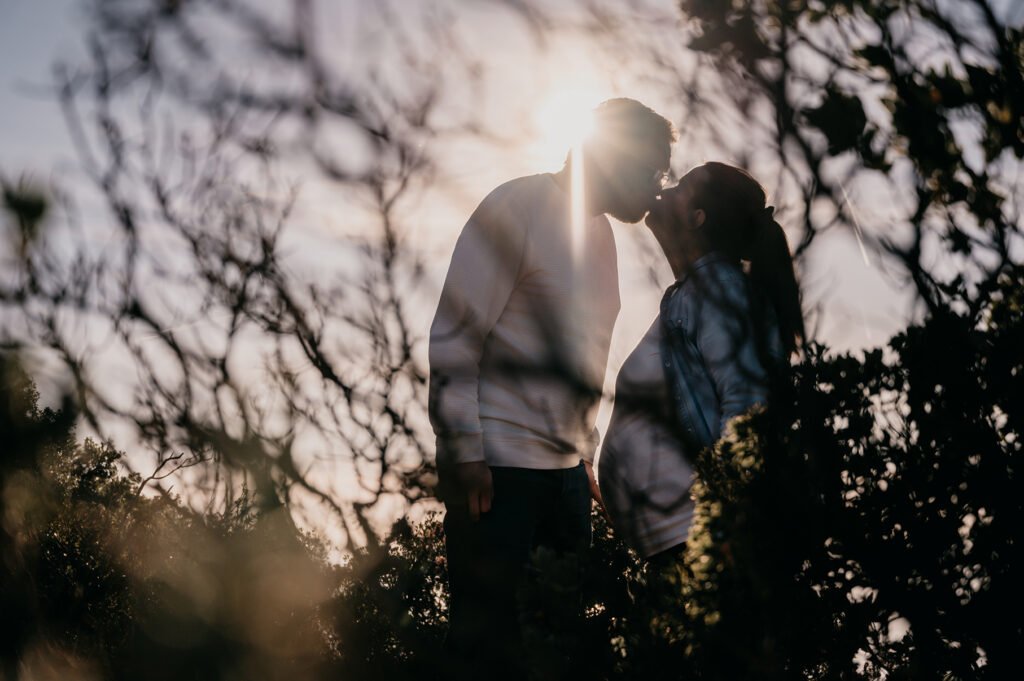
99, 581
866, 522
864, 525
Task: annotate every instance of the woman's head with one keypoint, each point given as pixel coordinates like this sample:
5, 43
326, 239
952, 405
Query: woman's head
722, 208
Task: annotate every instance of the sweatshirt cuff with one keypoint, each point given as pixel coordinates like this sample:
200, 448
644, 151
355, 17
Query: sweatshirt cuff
460, 448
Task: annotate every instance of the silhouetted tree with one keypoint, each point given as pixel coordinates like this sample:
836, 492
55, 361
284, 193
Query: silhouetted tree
921, 96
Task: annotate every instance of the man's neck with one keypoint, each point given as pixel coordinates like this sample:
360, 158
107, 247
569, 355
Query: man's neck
563, 178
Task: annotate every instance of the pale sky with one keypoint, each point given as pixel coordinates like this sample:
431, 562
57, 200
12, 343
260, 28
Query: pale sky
33, 36
33, 140
863, 305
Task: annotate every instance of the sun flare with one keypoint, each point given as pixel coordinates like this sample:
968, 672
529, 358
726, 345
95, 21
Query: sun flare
562, 121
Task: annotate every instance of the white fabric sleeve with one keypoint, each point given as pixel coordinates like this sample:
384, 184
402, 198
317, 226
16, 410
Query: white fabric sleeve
483, 272
589, 449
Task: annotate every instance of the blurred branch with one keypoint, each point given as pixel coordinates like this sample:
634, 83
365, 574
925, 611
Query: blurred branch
197, 273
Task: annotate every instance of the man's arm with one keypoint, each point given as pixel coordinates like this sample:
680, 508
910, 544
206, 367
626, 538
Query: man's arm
483, 272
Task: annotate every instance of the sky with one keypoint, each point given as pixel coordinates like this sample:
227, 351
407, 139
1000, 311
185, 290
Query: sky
863, 305
33, 36
34, 141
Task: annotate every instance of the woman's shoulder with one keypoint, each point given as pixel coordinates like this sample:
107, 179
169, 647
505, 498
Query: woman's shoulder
713, 268
713, 277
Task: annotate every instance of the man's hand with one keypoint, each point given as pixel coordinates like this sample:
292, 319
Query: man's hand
474, 484
595, 491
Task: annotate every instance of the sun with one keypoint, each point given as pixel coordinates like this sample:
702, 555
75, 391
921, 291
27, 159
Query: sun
562, 121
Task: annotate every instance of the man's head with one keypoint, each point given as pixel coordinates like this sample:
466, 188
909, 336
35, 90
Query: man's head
627, 158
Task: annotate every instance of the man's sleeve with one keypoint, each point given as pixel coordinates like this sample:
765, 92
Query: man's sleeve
589, 449
483, 272
725, 338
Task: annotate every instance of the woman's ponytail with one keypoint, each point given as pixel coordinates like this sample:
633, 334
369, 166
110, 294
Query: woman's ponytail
771, 271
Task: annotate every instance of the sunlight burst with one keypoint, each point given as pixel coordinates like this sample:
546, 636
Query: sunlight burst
565, 119
562, 121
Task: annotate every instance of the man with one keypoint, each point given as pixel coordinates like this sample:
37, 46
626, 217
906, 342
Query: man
518, 349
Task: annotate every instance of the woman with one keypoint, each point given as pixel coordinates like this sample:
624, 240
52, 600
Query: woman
733, 311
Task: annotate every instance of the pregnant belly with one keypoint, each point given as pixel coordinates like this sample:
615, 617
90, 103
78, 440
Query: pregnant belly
643, 463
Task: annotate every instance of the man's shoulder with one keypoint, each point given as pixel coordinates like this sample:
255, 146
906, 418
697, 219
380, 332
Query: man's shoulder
522, 189
514, 204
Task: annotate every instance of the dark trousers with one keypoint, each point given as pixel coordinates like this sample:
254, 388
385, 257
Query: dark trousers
538, 519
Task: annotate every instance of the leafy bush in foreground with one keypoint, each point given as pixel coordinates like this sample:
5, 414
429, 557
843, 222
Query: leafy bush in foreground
863, 526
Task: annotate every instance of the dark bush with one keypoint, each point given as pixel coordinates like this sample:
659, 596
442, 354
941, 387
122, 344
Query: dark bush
864, 525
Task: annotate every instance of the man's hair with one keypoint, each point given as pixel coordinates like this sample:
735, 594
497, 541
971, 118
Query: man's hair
623, 119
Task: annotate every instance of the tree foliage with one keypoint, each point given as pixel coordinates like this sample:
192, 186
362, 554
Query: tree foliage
100, 581
866, 521
269, 356
923, 96
863, 526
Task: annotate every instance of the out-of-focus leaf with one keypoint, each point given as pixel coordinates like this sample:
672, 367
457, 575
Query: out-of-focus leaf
841, 118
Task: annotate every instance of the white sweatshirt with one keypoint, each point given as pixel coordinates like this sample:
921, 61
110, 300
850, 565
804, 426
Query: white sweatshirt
520, 340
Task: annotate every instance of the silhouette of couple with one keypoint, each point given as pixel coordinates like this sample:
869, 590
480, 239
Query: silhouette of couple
518, 352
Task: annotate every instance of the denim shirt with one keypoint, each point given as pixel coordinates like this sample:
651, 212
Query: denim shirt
710, 352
